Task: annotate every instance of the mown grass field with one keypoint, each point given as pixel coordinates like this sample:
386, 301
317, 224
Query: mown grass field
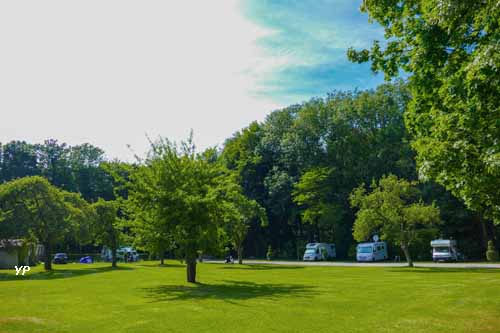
143, 297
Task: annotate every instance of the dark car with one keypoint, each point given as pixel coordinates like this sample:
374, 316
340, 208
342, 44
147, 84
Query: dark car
60, 258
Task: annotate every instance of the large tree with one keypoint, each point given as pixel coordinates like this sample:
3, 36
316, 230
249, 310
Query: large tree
177, 186
39, 210
450, 51
393, 208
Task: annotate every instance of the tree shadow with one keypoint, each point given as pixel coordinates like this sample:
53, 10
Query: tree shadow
58, 273
427, 270
158, 265
229, 291
259, 267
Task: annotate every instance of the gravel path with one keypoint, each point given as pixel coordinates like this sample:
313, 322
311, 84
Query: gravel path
358, 264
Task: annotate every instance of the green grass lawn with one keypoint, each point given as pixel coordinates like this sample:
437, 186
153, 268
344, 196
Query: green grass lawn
143, 297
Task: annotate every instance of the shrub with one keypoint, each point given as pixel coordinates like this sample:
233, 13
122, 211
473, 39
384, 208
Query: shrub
351, 253
492, 253
270, 253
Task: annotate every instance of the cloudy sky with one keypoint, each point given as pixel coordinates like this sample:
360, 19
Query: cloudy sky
109, 72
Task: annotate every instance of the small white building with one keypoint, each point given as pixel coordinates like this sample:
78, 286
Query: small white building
17, 252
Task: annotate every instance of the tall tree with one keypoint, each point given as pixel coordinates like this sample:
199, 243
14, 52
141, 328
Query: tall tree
315, 195
53, 161
238, 214
108, 226
18, 159
451, 54
177, 186
394, 210
89, 178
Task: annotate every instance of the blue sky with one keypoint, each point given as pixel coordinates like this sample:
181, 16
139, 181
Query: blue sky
314, 35
110, 72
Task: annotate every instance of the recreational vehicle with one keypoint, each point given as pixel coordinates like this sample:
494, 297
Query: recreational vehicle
445, 250
125, 253
374, 251
319, 251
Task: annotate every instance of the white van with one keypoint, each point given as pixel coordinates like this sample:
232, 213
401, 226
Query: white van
371, 251
319, 251
121, 253
445, 250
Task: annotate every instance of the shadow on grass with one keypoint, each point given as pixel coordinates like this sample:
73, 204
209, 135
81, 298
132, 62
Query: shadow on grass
227, 291
157, 265
58, 273
259, 267
428, 270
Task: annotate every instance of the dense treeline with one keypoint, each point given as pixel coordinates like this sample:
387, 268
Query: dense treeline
299, 167
76, 169
72, 168
302, 163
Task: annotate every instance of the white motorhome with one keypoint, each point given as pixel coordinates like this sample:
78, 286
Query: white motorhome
374, 251
319, 251
122, 253
445, 250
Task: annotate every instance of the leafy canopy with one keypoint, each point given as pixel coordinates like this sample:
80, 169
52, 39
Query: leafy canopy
394, 210
451, 51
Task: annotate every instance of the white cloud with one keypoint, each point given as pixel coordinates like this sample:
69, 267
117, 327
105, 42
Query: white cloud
107, 72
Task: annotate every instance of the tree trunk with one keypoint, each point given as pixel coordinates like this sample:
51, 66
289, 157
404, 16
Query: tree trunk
407, 255
240, 254
162, 258
113, 257
484, 231
191, 270
48, 257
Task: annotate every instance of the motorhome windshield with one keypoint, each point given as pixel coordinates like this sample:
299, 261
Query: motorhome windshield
442, 249
310, 251
365, 249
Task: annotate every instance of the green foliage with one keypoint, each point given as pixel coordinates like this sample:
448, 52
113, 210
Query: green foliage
270, 253
322, 148
451, 53
175, 193
71, 168
107, 229
315, 195
394, 210
238, 213
312, 191
34, 209
492, 253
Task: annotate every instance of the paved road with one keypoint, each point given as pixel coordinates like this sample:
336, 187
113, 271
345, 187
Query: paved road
357, 264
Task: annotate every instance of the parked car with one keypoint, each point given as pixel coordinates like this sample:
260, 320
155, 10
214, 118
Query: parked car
60, 258
86, 260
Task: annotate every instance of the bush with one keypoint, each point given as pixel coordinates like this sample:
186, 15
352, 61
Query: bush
492, 253
270, 253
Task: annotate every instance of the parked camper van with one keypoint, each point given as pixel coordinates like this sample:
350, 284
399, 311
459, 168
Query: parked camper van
319, 251
445, 250
125, 253
371, 251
